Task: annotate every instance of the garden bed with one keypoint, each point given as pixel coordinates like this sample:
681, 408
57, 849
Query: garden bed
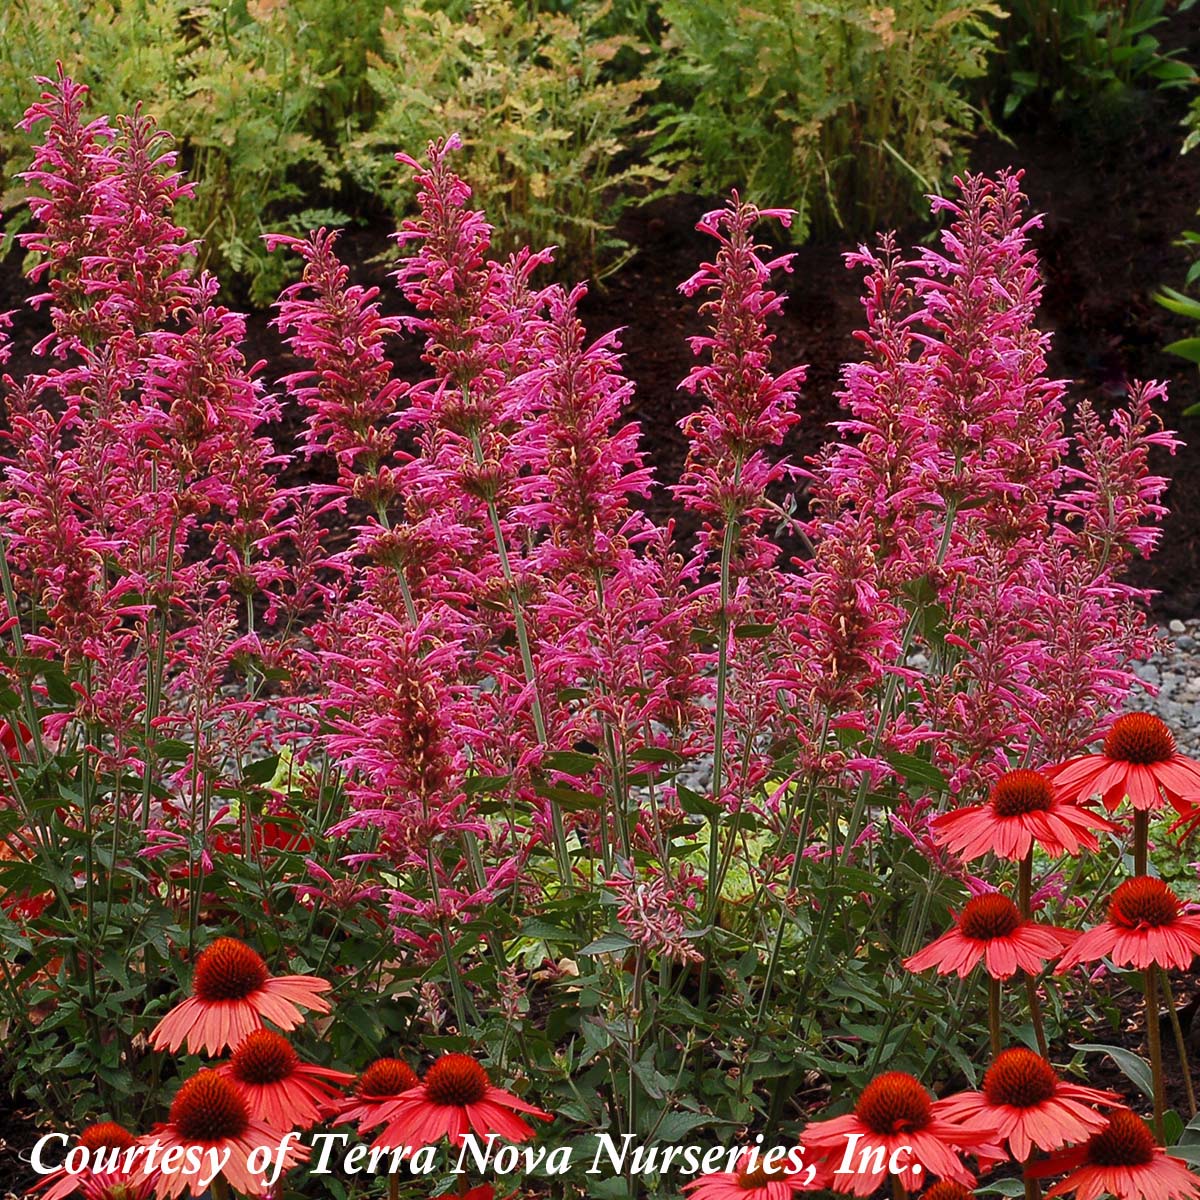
1115, 193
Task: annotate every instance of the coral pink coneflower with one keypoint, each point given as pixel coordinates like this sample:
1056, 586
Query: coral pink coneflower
382, 1083
1146, 924
990, 928
1026, 1104
232, 993
895, 1111
209, 1114
758, 1182
1022, 811
277, 1087
944, 1189
1139, 760
1122, 1160
106, 1143
454, 1099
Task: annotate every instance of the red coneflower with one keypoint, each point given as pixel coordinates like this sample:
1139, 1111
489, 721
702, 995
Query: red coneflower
990, 928
106, 1143
378, 1087
277, 1087
454, 1099
1139, 760
232, 993
209, 1114
1026, 1104
893, 1112
1146, 925
757, 1182
1122, 1160
1021, 811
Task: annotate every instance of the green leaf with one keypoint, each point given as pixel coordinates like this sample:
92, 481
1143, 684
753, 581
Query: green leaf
611, 1187
1188, 348
571, 762
57, 687
656, 754
1177, 302
1135, 1068
363, 1021
695, 804
261, 771
544, 931
480, 784
1191, 1133
1172, 1127
572, 799
610, 943
675, 1126
917, 770
1002, 1187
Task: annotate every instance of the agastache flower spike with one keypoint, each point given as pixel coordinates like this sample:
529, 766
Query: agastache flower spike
746, 409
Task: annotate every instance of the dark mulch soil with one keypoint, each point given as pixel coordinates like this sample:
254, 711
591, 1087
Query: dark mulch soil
18, 1132
1129, 1033
1115, 198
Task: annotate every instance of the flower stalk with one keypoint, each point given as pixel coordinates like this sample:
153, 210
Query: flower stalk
1154, 1043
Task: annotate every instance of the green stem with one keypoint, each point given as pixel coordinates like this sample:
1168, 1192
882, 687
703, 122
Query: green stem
816, 945
1025, 886
1025, 898
1035, 1015
1154, 1041
220, 1189
558, 829
18, 641
1180, 1042
793, 881
154, 677
718, 769
994, 1014
457, 992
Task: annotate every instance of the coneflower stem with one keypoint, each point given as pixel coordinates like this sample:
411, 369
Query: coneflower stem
1025, 902
899, 1191
1035, 1015
220, 1189
1180, 1043
1025, 886
393, 1187
1141, 839
1032, 1190
994, 1013
1154, 1041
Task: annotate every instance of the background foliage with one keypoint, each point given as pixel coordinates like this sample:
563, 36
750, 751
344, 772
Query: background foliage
287, 112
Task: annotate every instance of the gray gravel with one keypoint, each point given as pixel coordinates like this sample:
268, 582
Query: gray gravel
1176, 675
